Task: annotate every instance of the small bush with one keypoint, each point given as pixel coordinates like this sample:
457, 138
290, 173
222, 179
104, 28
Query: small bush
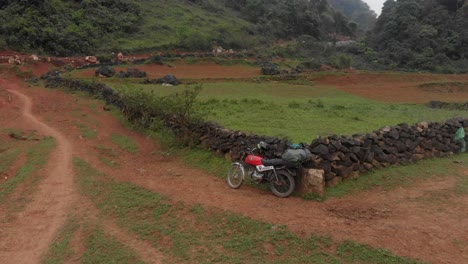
294, 105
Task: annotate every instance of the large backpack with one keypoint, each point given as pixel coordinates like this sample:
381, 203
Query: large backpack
295, 157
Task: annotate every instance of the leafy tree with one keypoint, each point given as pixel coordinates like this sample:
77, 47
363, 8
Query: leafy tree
65, 27
357, 11
421, 34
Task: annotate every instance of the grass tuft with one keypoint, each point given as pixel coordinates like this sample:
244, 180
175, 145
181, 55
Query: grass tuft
59, 250
124, 142
398, 176
102, 248
36, 158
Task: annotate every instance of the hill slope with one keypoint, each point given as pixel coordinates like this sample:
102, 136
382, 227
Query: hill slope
357, 11
79, 27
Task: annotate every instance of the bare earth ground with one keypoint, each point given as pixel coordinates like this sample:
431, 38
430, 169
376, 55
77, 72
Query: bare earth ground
413, 221
189, 71
401, 87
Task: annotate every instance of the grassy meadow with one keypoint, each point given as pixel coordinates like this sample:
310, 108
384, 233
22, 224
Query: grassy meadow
168, 22
298, 110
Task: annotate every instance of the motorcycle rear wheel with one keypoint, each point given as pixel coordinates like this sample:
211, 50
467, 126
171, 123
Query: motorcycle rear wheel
235, 176
284, 186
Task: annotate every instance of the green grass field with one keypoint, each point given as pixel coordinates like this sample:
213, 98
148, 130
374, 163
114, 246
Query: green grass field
296, 111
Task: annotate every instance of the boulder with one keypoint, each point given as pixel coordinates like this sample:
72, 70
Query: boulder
105, 71
270, 69
91, 60
312, 181
169, 79
320, 150
132, 73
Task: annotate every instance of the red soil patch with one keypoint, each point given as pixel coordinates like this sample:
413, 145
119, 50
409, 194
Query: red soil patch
188, 71
11, 171
395, 87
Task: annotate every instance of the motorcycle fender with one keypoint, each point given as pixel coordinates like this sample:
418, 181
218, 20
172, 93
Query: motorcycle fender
262, 168
242, 168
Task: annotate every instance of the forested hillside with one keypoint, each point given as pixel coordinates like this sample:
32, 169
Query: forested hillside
423, 34
65, 27
357, 11
427, 35
78, 27
287, 18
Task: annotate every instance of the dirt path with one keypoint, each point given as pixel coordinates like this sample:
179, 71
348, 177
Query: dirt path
26, 237
35, 227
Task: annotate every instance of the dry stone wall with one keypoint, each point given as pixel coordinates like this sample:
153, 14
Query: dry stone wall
347, 156
340, 157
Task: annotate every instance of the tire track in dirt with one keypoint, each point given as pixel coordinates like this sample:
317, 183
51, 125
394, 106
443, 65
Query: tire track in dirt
28, 238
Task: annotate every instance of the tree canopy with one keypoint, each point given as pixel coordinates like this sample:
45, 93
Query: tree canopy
422, 34
287, 18
357, 11
65, 27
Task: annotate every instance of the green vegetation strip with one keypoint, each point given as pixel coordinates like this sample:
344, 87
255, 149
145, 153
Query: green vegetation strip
87, 132
397, 176
60, 251
7, 159
102, 248
124, 142
195, 234
98, 246
36, 158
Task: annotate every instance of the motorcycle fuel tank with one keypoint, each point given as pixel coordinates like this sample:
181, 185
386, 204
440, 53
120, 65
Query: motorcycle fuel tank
254, 160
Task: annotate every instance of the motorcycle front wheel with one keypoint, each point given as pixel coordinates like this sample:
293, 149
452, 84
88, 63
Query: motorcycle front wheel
284, 185
235, 176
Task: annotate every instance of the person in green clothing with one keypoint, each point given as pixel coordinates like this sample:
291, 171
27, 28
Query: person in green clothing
460, 136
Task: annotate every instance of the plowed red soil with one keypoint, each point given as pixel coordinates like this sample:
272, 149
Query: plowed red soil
397, 87
189, 71
406, 221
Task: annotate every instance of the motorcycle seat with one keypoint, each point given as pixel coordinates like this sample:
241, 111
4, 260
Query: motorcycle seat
273, 162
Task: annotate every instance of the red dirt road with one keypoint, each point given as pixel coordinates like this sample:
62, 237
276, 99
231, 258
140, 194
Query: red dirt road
423, 221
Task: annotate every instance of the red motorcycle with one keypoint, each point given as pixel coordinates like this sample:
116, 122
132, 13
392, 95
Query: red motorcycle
277, 172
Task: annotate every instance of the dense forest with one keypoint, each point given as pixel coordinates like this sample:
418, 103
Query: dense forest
64, 27
357, 11
422, 34
429, 35
288, 18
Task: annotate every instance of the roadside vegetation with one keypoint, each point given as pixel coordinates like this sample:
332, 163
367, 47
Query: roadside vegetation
404, 175
96, 245
36, 157
124, 142
197, 234
60, 250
